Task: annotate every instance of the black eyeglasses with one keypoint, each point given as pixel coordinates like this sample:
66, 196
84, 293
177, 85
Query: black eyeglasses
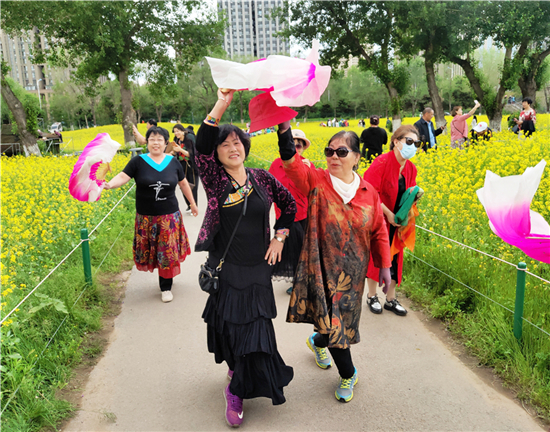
410, 141
342, 152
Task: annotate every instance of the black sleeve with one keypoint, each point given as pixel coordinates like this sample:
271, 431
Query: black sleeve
287, 149
206, 139
131, 167
179, 168
385, 137
437, 131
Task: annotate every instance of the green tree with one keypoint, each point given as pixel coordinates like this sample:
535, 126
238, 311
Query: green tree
24, 110
102, 37
353, 29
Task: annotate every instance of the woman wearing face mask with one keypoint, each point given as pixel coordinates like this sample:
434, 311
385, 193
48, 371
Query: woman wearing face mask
392, 174
345, 225
286, 268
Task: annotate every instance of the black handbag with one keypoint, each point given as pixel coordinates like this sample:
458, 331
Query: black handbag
208, 276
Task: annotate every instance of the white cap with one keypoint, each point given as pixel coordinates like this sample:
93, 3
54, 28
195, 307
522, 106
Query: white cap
481, 127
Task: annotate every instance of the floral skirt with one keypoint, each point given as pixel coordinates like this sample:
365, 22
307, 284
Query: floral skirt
160, 242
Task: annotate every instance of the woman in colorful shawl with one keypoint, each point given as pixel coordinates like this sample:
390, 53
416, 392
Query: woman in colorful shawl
239, 315
391, 174
345, 226
160, 240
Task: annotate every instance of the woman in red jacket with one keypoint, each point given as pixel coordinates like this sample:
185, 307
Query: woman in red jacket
286, 268
392, 174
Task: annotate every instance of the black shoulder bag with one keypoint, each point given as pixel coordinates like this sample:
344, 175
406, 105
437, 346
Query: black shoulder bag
209, 277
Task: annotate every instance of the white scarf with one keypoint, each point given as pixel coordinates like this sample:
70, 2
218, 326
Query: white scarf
346, 191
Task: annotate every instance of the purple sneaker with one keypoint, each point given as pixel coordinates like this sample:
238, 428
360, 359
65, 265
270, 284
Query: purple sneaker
233, 408
229, 374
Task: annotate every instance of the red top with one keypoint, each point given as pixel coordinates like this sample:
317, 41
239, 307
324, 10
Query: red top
330, 277
278, 171
383, 175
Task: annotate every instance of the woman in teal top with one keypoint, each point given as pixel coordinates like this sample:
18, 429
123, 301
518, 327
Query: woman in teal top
160, 240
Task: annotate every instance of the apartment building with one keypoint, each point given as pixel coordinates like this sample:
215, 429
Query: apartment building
251, 28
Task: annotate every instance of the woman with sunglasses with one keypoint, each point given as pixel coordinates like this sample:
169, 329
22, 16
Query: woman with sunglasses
286, 268
345, 225
392, 174
239, 315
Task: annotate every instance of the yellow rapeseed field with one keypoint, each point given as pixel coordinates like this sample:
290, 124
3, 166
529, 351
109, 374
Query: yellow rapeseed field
41, 221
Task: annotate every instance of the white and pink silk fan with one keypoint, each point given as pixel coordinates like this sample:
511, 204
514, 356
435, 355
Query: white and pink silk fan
88, 177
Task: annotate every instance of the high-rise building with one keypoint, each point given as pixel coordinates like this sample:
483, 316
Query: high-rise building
251, 28
39, 78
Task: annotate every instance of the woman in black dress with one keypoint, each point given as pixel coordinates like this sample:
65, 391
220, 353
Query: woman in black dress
184, 150
239, 315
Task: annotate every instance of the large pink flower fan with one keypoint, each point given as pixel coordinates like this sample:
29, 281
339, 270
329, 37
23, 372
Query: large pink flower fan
507, 201
291, 81
88, 177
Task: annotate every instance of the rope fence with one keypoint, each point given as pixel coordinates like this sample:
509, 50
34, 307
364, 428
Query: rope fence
85, 287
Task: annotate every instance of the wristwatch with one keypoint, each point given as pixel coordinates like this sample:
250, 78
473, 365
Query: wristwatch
281, 239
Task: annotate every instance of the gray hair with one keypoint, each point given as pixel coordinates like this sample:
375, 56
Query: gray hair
427, 110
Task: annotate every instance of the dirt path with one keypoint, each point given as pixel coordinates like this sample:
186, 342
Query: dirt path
157, 375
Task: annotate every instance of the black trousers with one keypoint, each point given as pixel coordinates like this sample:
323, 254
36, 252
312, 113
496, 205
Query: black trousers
195, 191
341, 357
165, 284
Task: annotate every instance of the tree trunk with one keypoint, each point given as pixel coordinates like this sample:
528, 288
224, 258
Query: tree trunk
93, 110
86, 118
547, 97
158, 110
395, 108
528, 88
437, 103
128, 113
16, 107
526, 80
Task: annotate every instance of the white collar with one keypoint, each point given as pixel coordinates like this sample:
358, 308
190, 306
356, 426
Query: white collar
345, 190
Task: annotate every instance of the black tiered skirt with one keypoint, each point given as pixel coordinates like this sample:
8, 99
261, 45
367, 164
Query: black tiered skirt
240, 331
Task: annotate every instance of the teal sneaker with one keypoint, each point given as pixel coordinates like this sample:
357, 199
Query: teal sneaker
344, 391
321, 357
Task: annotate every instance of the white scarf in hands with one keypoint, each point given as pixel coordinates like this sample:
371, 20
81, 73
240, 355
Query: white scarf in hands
346, 191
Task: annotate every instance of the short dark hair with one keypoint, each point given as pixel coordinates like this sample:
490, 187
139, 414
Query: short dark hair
427, 110
225, 131
158, 131
401, 132
374, 120
152, 122
528, 100
351, 138
191, 128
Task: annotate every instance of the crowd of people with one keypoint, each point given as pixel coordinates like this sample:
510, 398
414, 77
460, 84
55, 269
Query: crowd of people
334, 232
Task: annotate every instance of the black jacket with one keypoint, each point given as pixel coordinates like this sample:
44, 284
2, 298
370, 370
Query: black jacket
422, 128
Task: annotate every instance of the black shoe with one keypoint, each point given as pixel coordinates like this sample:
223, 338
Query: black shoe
374, 304
395, 307
289, 291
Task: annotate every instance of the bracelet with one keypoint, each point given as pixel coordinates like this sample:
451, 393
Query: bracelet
284, 232
211, 120
223, 99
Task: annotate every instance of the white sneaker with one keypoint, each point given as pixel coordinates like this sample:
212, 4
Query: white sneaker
167, 296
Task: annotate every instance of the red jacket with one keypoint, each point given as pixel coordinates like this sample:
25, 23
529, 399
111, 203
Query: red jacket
279, 173
383, 175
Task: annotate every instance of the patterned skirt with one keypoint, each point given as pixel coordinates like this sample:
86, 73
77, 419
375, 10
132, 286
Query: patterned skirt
160, 242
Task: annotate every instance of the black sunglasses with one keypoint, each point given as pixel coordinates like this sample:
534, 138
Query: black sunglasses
410, 141
298, 143
342, 152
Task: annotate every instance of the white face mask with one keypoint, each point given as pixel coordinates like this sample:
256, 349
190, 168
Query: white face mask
408, 151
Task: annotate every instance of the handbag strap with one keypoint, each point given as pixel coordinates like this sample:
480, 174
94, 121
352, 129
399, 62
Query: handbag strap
219, 267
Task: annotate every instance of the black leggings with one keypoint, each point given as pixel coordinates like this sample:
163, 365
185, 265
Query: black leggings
342, 357
165, 284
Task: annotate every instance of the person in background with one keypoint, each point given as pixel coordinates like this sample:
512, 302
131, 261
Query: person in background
286, 268
345, 225
426, 130
140, 139
239, 314
459, 127
391, 175
191, 134
160, 240
481, 132
474, 122
373, 139
184, 150
527, 118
